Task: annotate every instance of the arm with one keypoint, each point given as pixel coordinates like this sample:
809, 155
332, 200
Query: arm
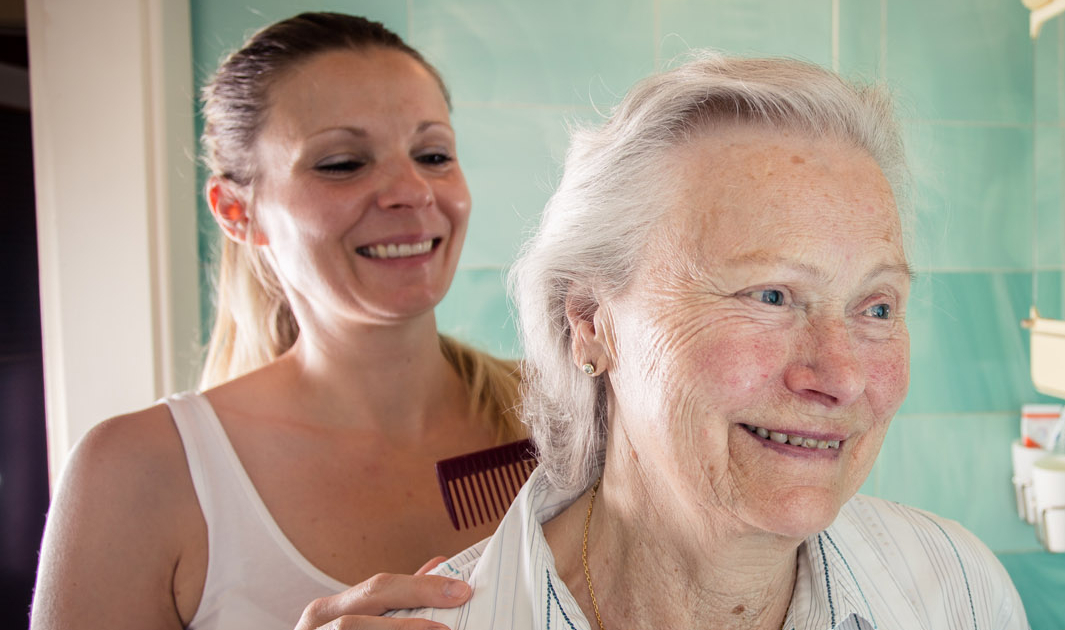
118, 529
359, 606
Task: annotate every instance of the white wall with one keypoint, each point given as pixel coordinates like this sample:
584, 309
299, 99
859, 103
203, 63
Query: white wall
110, 88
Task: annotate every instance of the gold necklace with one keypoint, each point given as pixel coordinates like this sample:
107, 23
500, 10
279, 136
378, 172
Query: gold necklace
584, 553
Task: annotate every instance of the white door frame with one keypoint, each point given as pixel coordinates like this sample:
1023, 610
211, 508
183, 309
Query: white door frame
114, 161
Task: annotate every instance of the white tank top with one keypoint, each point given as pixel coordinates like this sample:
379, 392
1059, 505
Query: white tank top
256, 579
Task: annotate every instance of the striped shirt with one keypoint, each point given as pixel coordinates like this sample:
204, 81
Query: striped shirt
879, 565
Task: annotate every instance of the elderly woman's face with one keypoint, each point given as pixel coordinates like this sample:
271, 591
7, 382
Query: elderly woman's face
761, 351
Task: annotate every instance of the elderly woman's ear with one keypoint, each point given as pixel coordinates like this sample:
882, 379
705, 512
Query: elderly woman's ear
590, 333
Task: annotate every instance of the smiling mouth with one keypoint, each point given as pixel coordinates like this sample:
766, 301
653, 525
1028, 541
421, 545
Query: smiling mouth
400, 250
794, 440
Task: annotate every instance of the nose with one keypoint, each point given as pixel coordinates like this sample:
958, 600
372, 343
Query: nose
403, 186
827, 369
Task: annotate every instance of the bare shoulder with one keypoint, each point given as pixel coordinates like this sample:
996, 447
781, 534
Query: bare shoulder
137, 457
123, 517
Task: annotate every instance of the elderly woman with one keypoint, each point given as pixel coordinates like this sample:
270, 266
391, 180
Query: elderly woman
713, 313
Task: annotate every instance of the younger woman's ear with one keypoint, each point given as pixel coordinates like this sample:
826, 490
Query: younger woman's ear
230, 210
588, 332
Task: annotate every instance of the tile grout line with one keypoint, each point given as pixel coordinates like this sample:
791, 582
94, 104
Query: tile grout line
656, 33
1061, 115
1005, 415
577, 107
835, 36
883, 39
410, 18
988, 270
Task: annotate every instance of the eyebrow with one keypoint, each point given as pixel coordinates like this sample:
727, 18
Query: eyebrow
360, 132
897, 269
771, 259
432, 123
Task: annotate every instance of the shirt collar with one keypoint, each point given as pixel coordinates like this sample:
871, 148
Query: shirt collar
843, 583
840, 582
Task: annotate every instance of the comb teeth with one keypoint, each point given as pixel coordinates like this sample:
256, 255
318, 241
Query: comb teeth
479, 487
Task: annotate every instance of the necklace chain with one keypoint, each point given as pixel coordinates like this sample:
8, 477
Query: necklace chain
584, 553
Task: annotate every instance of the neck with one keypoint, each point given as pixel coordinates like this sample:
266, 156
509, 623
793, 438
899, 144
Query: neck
391, 379
657, 564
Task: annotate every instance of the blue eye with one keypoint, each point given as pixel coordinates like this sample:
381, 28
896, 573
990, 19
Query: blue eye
771, 296
880, 311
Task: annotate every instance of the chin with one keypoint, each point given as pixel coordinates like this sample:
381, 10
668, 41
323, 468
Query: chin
801, 513
413, 303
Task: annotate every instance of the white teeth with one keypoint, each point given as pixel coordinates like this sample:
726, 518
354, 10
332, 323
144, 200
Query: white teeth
392, 250
794, 440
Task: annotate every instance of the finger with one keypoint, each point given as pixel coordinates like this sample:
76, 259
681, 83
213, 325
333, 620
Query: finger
384, 592
359, 622
429, 566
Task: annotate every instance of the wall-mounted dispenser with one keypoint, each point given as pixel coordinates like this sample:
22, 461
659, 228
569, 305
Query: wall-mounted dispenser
1048, 353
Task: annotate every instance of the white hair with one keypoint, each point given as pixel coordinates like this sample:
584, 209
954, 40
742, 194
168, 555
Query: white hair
594, 227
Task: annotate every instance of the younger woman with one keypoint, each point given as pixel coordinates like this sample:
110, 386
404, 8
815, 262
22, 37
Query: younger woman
306, 464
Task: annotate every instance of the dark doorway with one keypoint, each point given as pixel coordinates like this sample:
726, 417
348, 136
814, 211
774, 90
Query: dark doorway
23, 454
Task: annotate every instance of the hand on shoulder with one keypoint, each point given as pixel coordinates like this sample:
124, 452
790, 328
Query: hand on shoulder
361, 605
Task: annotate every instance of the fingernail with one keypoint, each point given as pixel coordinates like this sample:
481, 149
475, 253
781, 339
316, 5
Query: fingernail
456, 589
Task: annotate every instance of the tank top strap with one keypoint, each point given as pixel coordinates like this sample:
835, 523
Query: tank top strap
256, 578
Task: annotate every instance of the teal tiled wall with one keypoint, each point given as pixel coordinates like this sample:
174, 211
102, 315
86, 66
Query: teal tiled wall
965, 73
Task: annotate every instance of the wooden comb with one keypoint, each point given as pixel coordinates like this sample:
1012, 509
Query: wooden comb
478, 487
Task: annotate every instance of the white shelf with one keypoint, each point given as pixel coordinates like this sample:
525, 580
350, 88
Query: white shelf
1044, 13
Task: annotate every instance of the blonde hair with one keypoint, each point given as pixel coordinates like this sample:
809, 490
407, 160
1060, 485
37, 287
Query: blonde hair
254, 323
493, 386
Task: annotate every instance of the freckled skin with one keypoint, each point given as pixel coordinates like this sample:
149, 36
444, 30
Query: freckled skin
696, 352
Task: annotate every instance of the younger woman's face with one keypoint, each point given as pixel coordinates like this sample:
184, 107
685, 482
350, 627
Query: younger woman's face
358, 193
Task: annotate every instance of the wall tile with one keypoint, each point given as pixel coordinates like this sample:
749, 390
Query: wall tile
959, 467
968, 353
512, 158
962, 59
550, 51
748, 27
1050, 72
862, 36
476, 311
1050, 191
1040, 580
972, 187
